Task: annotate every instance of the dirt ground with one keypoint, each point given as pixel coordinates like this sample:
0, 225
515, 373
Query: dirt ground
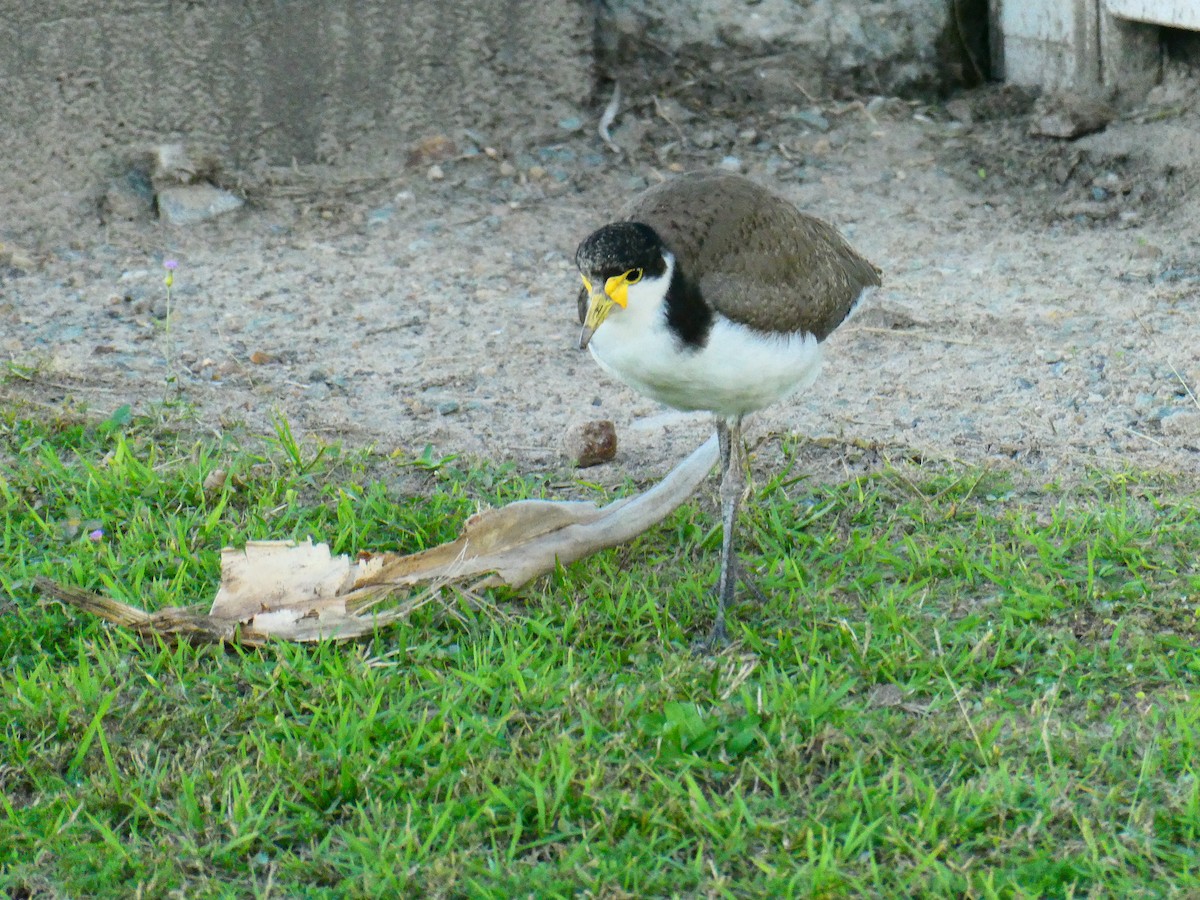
1039, 311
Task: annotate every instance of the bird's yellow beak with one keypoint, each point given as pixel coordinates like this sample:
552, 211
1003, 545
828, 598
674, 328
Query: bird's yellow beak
600, 304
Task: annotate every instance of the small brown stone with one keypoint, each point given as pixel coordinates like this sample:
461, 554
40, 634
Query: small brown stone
433, 149
18, 259
1067, 115
214, 482
960, 110
1186, 423
174, 164
590, 443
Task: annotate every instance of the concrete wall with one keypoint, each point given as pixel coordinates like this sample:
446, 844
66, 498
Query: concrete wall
84, 85
886, 46
1172, 13
1085, 44
310, 80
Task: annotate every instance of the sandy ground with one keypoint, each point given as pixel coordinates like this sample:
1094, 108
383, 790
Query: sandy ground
1040, 303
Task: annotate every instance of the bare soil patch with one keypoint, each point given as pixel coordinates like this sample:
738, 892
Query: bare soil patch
1039, 307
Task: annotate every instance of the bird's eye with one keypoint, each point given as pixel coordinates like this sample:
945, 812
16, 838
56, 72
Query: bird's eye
633, 276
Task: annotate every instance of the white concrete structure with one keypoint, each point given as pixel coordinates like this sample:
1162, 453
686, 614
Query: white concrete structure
1085, 43
1173, 13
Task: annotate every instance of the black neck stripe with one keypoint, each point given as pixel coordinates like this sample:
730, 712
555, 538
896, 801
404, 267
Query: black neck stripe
688, 316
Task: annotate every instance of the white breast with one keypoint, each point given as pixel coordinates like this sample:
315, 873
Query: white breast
737, 371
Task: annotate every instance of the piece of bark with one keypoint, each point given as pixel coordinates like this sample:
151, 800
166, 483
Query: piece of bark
300, 592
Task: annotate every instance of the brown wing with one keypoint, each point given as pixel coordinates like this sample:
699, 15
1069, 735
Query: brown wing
757, 259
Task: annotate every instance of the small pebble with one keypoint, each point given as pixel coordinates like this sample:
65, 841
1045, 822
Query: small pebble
813, 119
435, 173
318, 391
447, 407
590, 443
380, 215
1184, 422
190, 203
215, 480
960, 109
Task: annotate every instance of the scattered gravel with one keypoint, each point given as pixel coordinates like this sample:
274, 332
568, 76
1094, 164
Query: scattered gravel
1040, 302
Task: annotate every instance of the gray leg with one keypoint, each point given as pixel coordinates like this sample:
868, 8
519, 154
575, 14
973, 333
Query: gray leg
723, 441
733, 484
723, 444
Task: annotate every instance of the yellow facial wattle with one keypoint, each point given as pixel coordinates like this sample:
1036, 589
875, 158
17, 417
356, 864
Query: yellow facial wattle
600, 303
617, 287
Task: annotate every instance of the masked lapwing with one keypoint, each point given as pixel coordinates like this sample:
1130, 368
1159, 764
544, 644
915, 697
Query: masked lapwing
711, 292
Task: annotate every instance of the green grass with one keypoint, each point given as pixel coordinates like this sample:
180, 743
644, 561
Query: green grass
958, 687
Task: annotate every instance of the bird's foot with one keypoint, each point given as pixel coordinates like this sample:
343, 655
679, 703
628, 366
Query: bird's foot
716, 639
742, 575
751, 585
719, 636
